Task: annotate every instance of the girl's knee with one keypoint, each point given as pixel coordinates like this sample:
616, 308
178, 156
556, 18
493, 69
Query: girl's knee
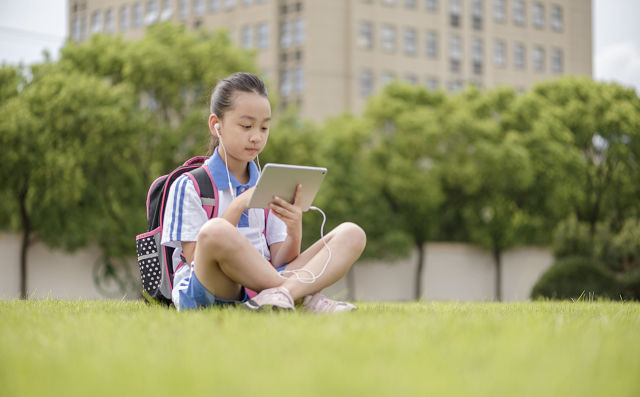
354, 234
215, 232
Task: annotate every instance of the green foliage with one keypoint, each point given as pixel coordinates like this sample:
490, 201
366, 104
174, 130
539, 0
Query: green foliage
573, 276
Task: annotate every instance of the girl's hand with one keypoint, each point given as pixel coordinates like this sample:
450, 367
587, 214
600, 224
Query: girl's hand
289, 213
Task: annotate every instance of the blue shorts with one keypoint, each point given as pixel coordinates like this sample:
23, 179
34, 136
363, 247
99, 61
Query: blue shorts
196, 296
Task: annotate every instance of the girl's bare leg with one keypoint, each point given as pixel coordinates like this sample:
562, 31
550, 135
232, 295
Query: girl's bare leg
347, 241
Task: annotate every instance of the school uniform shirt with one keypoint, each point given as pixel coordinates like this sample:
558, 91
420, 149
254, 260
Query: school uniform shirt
184, 215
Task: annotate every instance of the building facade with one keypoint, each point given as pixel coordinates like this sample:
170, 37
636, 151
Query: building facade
329, 56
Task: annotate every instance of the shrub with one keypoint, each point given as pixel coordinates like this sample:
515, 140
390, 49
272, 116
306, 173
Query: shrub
570, 277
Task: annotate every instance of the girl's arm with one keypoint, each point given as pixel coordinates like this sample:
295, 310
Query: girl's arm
291, 214
237, 207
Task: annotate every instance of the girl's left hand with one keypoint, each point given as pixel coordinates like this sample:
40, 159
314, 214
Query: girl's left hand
289, 213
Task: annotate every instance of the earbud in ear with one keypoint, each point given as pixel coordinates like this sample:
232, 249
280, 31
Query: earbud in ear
217, 128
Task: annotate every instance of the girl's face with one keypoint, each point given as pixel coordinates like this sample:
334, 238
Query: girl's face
245, 127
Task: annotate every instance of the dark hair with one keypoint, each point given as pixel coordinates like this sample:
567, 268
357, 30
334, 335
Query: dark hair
223, 95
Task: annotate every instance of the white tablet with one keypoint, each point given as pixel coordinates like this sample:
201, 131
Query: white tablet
281, 180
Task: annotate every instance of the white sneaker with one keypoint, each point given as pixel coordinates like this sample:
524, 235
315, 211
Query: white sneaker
319, 303
278, 298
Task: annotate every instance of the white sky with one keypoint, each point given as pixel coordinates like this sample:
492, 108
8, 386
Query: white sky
27, 27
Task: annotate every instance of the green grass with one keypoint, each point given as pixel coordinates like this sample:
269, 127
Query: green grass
110, 348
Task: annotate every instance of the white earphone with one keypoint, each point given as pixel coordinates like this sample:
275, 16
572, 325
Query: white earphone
217, 128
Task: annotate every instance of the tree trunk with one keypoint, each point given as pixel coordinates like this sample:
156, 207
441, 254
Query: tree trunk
26, 232
498, 260
351, 285
418, 286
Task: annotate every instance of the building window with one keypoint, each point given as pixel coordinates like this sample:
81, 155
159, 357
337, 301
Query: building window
431, 43
455, 53
519, 56
365, 37
476, 14
410, 41
214, 5
411, 78
388, 38
198, 7
298, 32
499, 10
124, 18
410, 3
183, 10
298, 85
455, 9
152, 13
96, 22
286, 31
247, 2
246, 37
477, 57
557, 64
387, 78
366, 82
500, 53
538, 59
263, 35
75, 29
432, 83
389, 2
431, 5
285, 82
556, 18
518, 12
108, 21
167, 10
537, 15
229, 4
454, 86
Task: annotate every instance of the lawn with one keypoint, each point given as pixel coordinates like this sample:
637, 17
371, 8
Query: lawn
111, 348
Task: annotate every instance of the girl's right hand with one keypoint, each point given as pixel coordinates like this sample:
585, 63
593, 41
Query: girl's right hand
243, 199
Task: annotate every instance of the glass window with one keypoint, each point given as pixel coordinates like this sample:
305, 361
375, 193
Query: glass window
286, 30
477, 14
454, 86
229, 4
388, 38
432, 83
410, 41
387, 78
152, 12
556, 18
477, 55
247, 36
75, 29
365, 37
183, 9
298, 85
96, 22
455, 9
366, 82
431, 5
247, 2
263, 35
557, 64
455, 53
538, 15
167, 10
499, 10
500, 53
431, 43
83, 28
108, 21
215, 5
519, 56
124, 18
518, 12
389, 2
538, 59
410, 3
411, 78
285, 82
298, 33
198, 7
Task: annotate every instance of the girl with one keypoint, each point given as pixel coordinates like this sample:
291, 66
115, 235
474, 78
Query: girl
244, 247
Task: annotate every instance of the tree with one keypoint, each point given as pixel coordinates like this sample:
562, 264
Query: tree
70, 145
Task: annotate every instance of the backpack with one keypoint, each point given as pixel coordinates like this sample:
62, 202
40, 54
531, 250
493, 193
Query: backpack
155, 260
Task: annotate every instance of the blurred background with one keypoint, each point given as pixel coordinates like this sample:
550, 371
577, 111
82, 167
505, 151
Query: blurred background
488, 147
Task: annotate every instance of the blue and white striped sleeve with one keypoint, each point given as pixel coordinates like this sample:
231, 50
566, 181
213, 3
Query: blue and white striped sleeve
183, 215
